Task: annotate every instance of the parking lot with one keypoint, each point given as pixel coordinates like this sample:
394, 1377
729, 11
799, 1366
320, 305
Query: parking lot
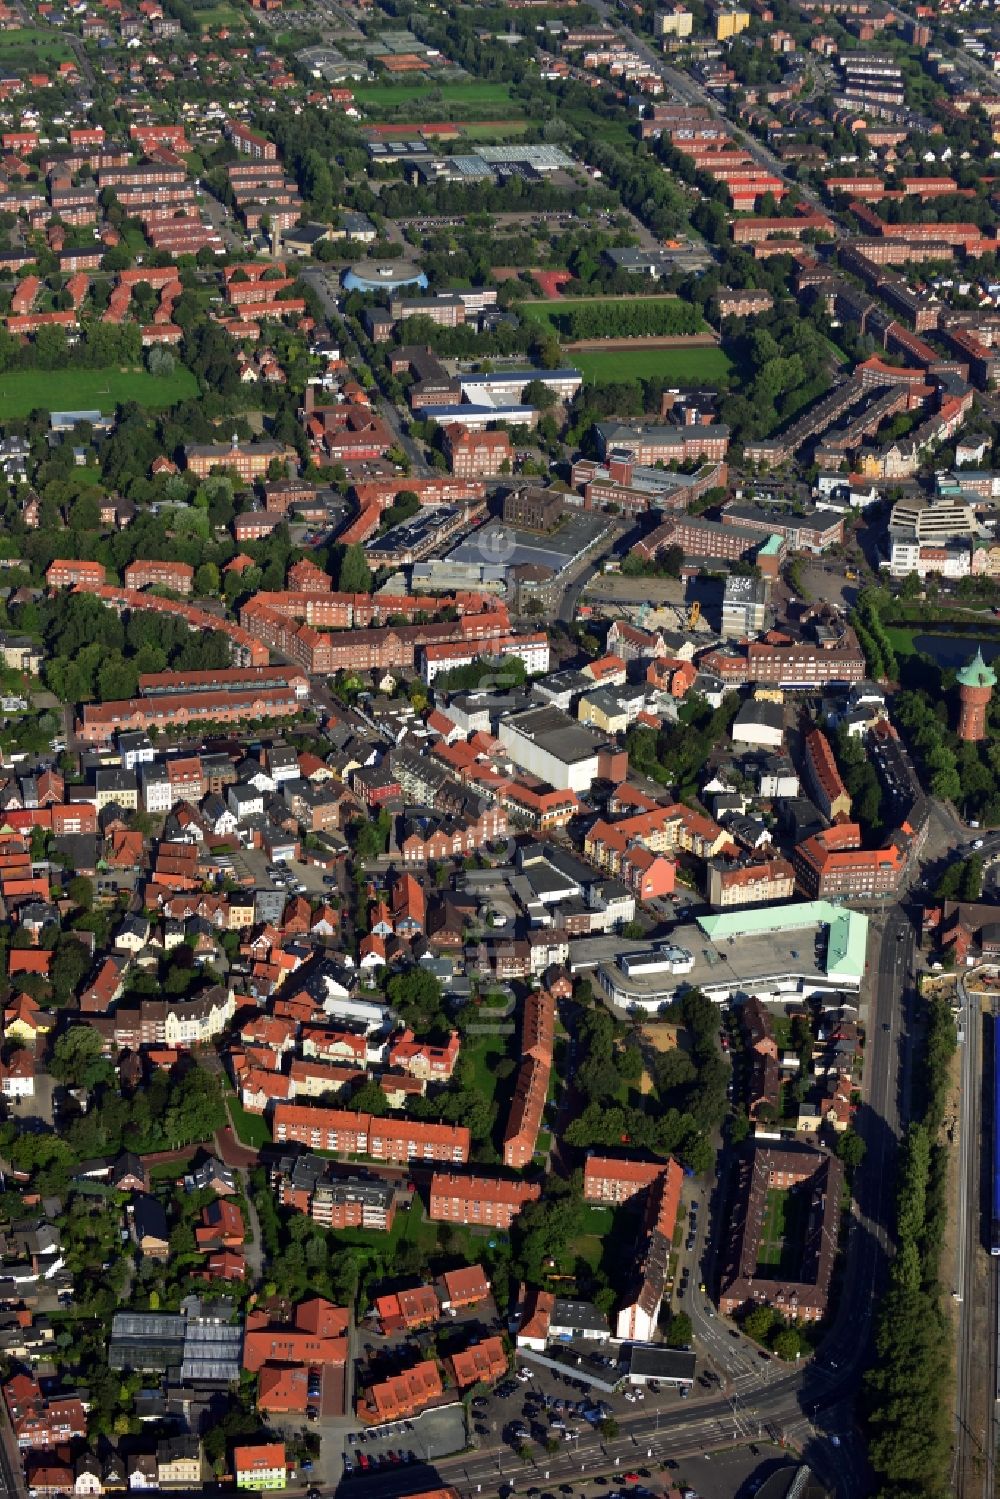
399, 1444
538, 1405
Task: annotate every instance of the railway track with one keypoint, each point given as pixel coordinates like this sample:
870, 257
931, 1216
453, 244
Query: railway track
974, 1470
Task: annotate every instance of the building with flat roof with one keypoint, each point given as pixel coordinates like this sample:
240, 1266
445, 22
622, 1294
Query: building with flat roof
744, 606
650, 1361
560, 750
810, 947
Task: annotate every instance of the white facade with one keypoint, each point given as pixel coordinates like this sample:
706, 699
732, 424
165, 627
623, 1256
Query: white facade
634, 1325
18, 1087
562, 775
245, 801
533, 650
908, 555
157, 793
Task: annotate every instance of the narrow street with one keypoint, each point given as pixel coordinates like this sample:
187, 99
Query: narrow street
319, 281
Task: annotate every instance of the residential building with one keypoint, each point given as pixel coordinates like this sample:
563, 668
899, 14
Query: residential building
178, 1462
823, 778
260, 1465
68, 573
745, 1282
398, 1140
402, 1396
832, 865
477, 455
480, 1363
638, 1314
177, 576
611, 1180
732, 883
489, 1201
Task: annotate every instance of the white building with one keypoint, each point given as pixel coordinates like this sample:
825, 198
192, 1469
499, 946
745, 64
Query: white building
157, 792
554, 747
760, 725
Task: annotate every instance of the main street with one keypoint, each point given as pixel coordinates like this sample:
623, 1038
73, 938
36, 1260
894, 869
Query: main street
976, 1273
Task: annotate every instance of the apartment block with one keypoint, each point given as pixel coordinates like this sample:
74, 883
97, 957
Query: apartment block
489, 1201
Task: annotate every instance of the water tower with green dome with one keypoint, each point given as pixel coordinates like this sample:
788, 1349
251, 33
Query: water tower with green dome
976, 682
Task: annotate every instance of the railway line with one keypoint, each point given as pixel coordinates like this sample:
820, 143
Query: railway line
977, 1286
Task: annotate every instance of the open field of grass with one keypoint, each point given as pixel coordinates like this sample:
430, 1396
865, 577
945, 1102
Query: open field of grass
772, 1233
39, 45
484, 1052
474, 97
502, 131
411, 1226
698, 366
22, 391
221, 15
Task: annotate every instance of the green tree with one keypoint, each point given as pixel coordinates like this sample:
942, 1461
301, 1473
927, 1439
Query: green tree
81, 891
758, 1323
77, 1059
206, 580
787, 1344
355, 574
680, 1333
851, 1148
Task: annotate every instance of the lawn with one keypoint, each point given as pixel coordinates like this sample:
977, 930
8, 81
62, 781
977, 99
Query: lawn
22, 391
602, 1233
410, 1226
772, 1231
698, 366
786, 1215
251, 1130
484, 1052
476, 98
901, 638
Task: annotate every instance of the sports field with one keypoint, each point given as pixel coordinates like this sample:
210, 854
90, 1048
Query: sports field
697, 366
23, 391
473, 98
545, 312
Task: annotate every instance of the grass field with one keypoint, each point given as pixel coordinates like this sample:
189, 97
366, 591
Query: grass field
499, 132
39, 45
698, 366
411, 1226
477, 98
783, 1229
220, 15
484, 1052
22, 391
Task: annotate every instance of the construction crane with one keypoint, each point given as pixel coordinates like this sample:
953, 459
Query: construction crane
694, 614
